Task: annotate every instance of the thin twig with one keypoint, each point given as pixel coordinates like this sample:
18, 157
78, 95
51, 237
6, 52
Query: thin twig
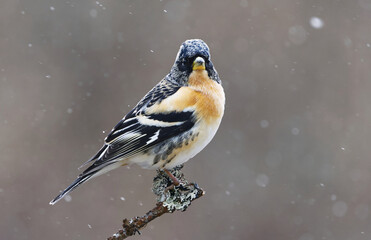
169, 197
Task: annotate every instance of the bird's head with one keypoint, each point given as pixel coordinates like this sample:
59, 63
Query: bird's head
193, 55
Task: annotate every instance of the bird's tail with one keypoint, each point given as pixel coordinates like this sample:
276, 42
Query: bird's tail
80, 180
91, 172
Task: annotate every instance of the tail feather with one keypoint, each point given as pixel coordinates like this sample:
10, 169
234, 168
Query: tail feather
95, 157
80, 180
91, 172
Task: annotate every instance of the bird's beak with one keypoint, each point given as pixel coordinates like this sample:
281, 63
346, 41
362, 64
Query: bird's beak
198, 64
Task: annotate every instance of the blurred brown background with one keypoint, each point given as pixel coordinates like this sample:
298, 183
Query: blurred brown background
291, 159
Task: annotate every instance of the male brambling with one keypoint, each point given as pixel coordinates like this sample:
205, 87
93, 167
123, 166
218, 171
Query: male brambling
171, 124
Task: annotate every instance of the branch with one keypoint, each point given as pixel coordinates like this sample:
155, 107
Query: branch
169, 199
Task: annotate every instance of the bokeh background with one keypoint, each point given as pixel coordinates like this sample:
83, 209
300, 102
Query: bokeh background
291, 159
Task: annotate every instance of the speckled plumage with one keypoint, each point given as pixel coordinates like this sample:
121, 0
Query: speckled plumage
170, 124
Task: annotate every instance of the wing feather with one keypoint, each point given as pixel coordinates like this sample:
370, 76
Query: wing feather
138, 131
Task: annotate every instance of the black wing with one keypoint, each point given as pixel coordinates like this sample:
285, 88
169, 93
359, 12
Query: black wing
138, 131
132, 137
159, 92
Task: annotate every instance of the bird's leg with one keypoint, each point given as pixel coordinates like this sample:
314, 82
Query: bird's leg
172, 177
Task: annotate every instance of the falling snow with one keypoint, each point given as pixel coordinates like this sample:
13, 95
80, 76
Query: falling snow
295, 131
264, 123
68, 198
333, 197
262, 180
316, 22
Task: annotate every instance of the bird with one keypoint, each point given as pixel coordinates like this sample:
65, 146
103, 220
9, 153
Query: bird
172, 123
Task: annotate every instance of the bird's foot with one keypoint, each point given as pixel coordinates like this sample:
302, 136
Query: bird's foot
172, 177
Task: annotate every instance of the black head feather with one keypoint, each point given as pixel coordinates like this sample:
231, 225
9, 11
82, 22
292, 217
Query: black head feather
188, 52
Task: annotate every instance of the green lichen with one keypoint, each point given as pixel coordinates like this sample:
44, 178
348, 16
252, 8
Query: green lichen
178, 199
174, 197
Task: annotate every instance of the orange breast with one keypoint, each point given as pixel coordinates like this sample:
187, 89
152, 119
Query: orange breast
202, 95
210, 95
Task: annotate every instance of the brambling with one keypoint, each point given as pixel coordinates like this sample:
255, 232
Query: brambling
172, 122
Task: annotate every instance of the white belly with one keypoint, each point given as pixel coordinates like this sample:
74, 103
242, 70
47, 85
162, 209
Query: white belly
206, 134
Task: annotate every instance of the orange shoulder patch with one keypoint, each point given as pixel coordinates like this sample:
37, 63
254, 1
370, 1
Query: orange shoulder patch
182, 99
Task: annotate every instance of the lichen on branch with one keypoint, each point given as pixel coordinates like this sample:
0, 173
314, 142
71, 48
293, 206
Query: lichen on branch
169, 199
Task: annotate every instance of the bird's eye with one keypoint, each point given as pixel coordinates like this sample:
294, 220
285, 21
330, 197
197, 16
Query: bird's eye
183, 65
